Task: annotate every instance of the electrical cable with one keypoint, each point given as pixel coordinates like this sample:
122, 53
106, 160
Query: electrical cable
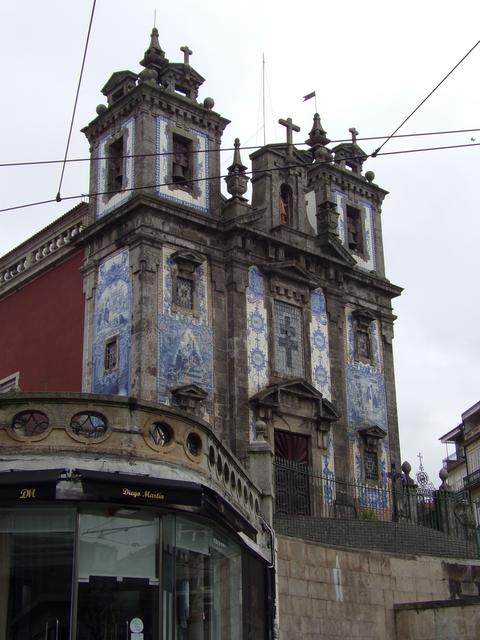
219, 177
231, 149
375, 153
58, 197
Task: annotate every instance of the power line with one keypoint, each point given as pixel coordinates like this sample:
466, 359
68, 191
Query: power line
219, 177
231, 149
58, 198
375, 153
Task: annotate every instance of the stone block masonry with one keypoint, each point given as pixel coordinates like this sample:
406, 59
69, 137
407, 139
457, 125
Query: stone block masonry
330, 592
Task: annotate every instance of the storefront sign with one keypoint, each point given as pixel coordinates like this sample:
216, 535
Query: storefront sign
25, 486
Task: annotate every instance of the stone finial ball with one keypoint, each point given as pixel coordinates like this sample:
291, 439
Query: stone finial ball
443, 474
100, 108
370, 176
209, 103
261, 425
322, 154
406, 467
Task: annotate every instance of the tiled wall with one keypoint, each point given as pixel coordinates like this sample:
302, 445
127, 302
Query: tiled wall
367, 262
320, 354
105, 203
366, 395
257, 337
113, 317
185, 341
197, 199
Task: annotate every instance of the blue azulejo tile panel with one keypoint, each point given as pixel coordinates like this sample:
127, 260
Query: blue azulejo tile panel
113, 320
185, 340
185, 352
257, 332
319, 346
377, 355
366, 399
198, 197
365, 259
107, 202
320, 365
340, 198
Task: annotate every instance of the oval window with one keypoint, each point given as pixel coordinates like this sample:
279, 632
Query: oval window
89, 425
30, 423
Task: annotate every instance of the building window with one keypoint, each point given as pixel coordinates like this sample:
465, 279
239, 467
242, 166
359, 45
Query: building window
371, 448
370, 462
182, 161
184, 276
10, 383
362, 344
184, 293
362, 335
111, 354
354, 229
115, 166
286, 204
289, 339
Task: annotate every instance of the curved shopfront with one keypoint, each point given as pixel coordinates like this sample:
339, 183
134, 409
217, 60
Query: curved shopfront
115, 566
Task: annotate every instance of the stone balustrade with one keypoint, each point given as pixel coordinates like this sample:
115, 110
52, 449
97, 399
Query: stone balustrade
39, 252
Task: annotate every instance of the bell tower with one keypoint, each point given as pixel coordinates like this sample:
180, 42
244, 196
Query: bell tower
155, 167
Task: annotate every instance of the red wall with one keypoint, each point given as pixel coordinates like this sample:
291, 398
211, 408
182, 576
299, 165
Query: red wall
41, 330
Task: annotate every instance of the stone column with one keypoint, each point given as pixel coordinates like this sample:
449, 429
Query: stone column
336, 335
386, 328
220, 354
237, 357
144, 263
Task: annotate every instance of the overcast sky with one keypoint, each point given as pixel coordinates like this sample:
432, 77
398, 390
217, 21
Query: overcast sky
370, 63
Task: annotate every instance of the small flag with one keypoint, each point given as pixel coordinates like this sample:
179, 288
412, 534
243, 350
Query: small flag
308, 96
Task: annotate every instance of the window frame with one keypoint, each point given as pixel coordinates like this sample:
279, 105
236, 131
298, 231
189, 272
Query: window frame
108, 342
111, 188
190, 186
10, 384
302, 339
358, 213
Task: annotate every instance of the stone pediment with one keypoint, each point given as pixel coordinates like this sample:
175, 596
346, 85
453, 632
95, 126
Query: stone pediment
189, 397
190, 391
349, 150
290, 270
296, 397
335, 248
281, 151
117, 79
186, 257
372, 432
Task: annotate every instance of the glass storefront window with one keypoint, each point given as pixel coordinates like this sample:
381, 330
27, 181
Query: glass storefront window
207, 584
117, 577
123, 574
36, 553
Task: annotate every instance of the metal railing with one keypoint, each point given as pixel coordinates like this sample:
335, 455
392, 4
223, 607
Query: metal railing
299, 491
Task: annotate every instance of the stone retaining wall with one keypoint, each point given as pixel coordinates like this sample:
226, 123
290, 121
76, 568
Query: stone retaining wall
331, 592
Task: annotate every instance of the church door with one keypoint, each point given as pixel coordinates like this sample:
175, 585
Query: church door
292, 494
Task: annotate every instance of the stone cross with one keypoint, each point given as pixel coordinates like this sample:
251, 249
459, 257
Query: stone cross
186, 54
290, 127
290, 345
420, 457
354, 133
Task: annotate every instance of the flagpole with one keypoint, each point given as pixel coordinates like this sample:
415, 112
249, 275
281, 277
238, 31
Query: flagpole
263, 99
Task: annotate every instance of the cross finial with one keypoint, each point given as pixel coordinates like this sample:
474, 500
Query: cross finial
354, 133
186, 54
290, 127
420, 457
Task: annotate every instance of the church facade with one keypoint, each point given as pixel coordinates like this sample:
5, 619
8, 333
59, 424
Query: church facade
183, 341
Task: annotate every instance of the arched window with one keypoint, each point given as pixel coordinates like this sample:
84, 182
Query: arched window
286, 204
